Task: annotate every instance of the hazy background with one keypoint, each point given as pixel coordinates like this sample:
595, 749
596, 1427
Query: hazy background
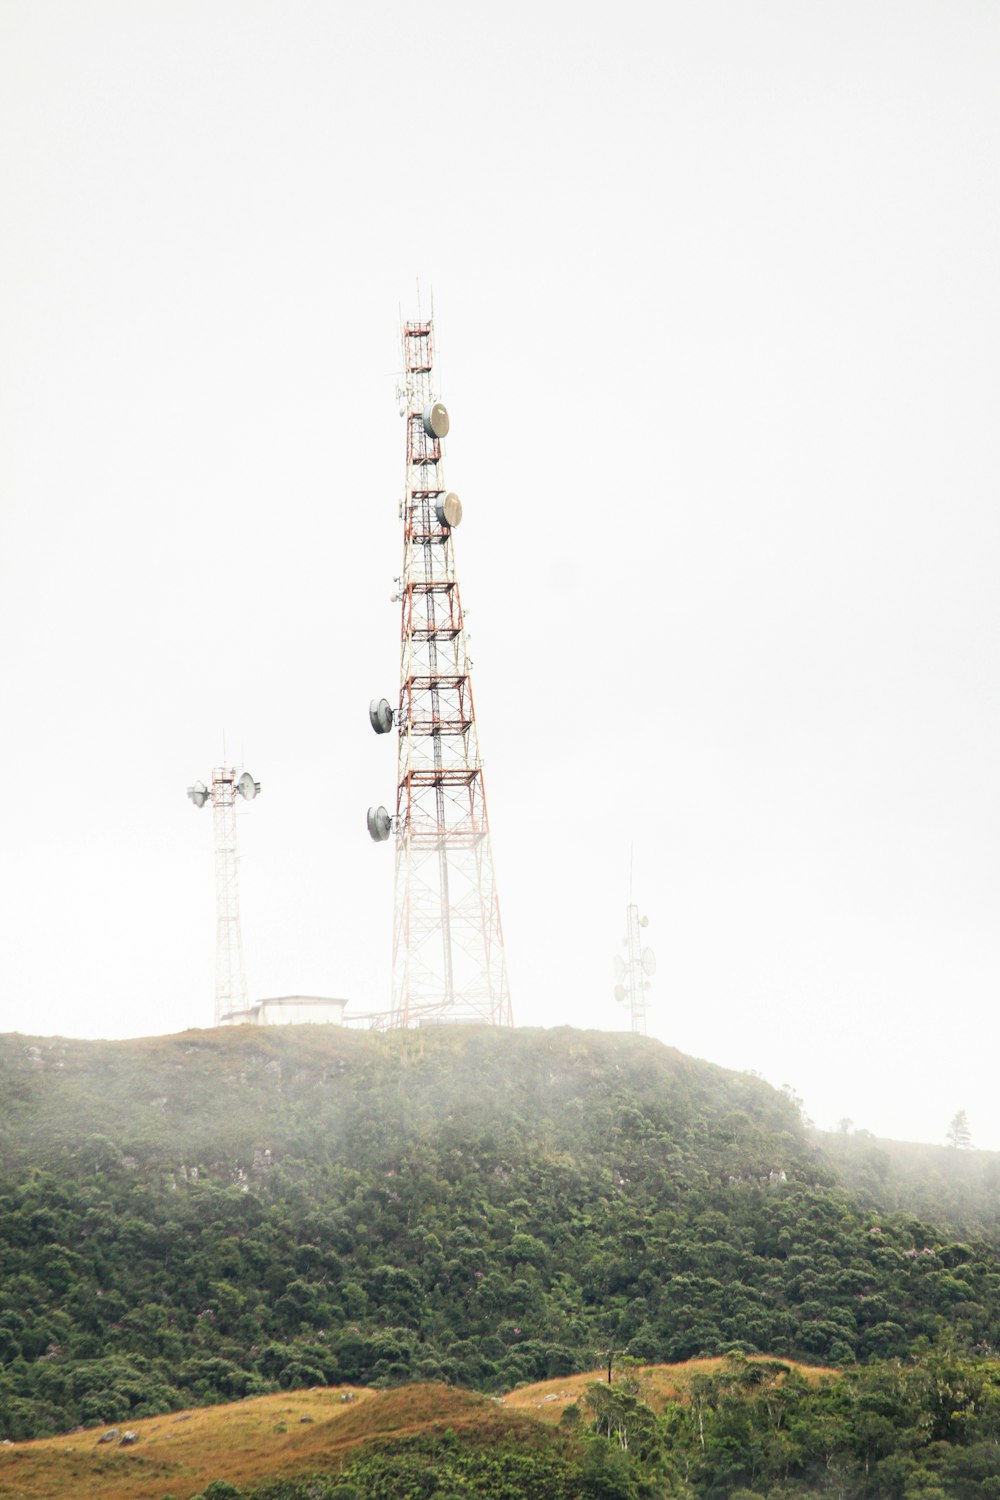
717, 308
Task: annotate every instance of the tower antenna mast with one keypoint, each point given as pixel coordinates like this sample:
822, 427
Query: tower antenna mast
230, 967
448, 958
634, 972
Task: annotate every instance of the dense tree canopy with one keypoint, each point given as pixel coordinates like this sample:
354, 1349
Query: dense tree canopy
203, 1217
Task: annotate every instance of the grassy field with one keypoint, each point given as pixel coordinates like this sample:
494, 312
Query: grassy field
294, 1433
659, 1384
297, 1432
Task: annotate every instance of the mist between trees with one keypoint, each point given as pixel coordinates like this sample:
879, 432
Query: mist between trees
205, 1217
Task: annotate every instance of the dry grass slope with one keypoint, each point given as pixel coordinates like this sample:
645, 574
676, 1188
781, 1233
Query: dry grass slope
660, 1383
294, 1433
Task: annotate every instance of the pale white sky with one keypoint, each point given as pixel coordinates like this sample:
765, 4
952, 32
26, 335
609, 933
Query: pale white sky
718, 315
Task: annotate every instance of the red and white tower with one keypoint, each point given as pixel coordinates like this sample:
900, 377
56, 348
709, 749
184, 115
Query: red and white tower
230, 969
448, 960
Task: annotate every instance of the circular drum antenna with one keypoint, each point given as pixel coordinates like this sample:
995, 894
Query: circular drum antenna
247, 787
379, 824
381, 715
449, 509
648, 961
198, 793
436, 422
619, 992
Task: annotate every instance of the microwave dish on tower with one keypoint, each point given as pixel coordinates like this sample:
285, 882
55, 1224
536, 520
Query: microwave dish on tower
448, 956
381, 715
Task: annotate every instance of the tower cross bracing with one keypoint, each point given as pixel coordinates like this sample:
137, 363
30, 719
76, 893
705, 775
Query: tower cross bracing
448, 959
634, 972
230, 965
228, 783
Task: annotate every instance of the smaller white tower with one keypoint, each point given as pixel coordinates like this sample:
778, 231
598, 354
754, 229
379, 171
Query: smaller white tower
230, 969
634, 972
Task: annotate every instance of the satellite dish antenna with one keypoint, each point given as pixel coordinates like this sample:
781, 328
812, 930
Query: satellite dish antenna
198, 793
436, 421
247, 787
619, 964
619, 992
448, 509
381, 715
379, 824
643, 921
648, 961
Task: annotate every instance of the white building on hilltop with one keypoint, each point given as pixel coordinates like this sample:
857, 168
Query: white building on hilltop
292, 1010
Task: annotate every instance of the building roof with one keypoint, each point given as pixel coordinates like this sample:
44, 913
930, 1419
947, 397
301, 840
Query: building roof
299, 1000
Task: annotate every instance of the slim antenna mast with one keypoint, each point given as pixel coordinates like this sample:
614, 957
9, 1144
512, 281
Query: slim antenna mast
449, 962
634, 972
230, 968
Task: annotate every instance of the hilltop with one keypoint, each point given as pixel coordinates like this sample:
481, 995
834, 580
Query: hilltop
221, 1214
162, 1099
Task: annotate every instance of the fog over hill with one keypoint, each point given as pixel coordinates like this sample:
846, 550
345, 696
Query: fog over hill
223, 1212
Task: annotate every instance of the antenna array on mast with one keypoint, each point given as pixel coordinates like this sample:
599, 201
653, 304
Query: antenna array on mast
230, 967
634, 972
448, 953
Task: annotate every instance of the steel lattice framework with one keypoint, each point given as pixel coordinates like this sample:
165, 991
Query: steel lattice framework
230, 967
447, 944
635, 971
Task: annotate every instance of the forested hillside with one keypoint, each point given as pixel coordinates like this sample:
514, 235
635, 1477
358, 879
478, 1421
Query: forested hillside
960, 1186
201, 1217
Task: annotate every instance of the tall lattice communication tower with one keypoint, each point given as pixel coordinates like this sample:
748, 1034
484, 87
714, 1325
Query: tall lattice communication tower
448, 960
230, 968
634, 972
